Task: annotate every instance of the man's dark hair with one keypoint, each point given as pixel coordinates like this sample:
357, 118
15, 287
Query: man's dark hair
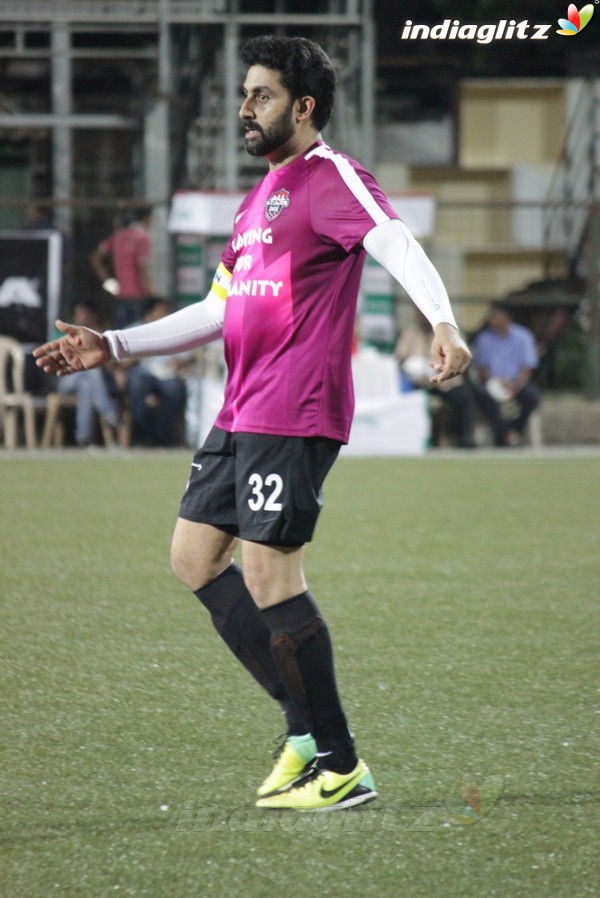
502, 305
142, 213
89, 305
304, 68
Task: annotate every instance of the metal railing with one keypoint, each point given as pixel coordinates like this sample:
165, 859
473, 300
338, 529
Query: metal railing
499, 234
106, 12
564, 312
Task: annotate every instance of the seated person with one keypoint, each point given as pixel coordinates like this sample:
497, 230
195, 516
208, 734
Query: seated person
156, 392
91, 388
413, 353
504, 358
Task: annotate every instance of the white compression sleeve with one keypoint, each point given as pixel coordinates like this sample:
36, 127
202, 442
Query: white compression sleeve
183, 330
393, 246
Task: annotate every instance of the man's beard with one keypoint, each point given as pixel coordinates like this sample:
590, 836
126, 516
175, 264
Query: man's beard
270, 140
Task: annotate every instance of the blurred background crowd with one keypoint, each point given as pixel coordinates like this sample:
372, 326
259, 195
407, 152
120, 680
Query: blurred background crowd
119, 146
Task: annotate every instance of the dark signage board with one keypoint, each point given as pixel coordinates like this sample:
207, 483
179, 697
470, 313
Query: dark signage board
30, 275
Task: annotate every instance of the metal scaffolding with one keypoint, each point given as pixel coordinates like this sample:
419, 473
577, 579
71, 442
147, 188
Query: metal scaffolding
176, 44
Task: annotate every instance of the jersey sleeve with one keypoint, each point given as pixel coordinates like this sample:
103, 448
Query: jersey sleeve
346, 201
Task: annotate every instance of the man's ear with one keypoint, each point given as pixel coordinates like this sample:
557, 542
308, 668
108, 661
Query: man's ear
305, 107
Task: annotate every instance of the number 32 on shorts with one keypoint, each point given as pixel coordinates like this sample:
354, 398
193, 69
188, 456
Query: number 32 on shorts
265, 493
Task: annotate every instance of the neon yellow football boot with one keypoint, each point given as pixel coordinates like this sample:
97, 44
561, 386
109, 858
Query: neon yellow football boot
293, 759
324, 790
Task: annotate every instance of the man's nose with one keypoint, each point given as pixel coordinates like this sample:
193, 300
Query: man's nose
245, 110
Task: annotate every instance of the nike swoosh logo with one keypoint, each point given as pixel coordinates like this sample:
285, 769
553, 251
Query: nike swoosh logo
237, 217
329, 793
196, 465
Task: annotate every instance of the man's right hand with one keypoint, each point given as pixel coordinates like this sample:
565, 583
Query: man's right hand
78, 350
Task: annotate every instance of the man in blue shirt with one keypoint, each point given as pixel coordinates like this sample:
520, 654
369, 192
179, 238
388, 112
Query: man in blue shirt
505, 357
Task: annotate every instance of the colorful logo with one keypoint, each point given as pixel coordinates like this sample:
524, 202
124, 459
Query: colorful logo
577, 20
476, 799
276, 203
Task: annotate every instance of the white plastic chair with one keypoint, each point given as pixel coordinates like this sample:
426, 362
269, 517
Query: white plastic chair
13, 396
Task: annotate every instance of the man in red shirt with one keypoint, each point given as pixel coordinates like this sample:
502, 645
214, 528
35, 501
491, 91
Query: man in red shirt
129, 250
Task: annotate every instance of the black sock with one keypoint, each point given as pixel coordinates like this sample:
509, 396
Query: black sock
302, 648
243, 628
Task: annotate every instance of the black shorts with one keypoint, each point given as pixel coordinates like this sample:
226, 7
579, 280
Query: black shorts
259, 487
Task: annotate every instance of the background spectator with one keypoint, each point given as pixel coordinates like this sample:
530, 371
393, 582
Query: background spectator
413, 351
156, 392
505, 356
128, 278
92, 388
38, 218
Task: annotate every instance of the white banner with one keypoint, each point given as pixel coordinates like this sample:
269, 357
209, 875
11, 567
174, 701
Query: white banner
393, 426
195, 212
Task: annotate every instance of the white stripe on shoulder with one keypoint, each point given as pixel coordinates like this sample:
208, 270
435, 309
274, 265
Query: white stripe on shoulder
352, 182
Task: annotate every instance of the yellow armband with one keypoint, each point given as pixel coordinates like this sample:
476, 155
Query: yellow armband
220, 284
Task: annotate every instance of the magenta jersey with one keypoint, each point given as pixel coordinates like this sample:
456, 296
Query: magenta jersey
296, 259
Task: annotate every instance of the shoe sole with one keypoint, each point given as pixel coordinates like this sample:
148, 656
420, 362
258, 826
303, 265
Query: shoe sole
354, 798
358, 795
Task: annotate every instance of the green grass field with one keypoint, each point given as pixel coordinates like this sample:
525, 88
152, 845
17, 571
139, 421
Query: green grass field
462, 596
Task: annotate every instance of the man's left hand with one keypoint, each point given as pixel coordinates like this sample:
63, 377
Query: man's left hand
450, 355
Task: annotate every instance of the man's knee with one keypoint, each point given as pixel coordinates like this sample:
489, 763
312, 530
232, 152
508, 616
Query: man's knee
199, 553
259, 585
272, 574
196, 572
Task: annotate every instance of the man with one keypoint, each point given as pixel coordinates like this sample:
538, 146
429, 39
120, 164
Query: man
505, 357
91, 388
412, 351
156, 391
284, 299
128, 250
